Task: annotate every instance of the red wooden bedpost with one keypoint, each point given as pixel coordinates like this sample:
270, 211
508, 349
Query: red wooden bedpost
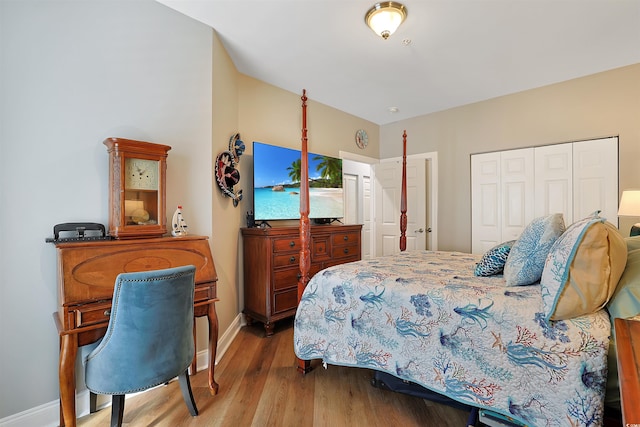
304, 366
403, 196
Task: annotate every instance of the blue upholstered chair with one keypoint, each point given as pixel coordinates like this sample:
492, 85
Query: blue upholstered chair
149, 340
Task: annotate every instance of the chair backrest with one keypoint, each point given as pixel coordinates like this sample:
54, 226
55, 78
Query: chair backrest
149, 339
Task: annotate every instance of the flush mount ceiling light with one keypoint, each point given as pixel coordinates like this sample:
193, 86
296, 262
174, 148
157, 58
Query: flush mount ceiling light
385, 17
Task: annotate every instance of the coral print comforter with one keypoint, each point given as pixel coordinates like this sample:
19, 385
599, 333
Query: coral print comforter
425, 317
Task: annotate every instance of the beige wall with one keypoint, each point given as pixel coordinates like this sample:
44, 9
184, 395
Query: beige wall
226, 219
604, 104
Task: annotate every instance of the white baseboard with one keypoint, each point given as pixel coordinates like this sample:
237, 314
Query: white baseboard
47, 415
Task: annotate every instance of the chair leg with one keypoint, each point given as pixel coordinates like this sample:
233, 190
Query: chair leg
185, 386
117, 410
93, 402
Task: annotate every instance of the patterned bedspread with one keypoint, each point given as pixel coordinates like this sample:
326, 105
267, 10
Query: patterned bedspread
425, 317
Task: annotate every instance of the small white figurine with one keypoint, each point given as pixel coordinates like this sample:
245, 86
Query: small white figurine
178, 224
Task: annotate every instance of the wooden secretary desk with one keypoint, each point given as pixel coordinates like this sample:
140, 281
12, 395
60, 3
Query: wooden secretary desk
86, 277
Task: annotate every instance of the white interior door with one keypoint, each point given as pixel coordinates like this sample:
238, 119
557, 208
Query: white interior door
417, 224
420, 224
367, 218
356, 180
351, 202
387, 200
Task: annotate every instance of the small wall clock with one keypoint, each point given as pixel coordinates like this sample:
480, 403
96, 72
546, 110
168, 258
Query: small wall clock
362, 139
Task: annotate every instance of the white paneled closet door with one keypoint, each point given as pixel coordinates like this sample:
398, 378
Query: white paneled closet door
486, 200
502, 196
517, 187
595, 178
554, 180
511, 188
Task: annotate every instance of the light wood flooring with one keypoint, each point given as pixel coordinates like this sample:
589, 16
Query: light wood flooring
260, 386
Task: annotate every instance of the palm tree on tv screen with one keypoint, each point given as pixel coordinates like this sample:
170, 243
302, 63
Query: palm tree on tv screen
295, 171
330, 169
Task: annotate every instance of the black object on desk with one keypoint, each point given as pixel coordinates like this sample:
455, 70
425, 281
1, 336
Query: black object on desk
78, 232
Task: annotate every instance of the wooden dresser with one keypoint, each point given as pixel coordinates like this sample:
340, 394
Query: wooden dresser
628, 358
86, 276
271, 266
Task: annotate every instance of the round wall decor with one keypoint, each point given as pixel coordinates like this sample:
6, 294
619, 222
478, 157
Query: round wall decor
225, 169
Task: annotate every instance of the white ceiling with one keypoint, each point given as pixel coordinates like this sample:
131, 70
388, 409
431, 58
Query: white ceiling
460, 51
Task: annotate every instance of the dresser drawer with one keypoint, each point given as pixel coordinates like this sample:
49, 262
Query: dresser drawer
346, 251
285, 278
92, 314
320, 248
345, 238
288, 277
287, 300
287, 244
286, 260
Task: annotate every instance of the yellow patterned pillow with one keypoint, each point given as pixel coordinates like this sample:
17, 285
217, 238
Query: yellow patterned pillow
583, 269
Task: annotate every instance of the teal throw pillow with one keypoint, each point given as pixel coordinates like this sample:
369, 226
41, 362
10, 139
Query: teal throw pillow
492, 262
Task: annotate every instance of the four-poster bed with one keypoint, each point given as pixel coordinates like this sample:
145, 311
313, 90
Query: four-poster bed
425, 317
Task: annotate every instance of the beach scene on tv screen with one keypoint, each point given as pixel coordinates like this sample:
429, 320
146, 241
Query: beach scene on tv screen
276, 180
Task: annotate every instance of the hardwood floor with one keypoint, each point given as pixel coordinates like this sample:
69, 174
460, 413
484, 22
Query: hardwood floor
259, 386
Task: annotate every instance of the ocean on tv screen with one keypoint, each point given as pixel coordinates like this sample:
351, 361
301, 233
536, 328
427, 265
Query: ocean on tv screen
276, 180
323, 203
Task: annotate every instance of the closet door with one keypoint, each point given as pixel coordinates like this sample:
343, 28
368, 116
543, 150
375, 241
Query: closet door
517, 186
511, 188
554, 181
502, 196
595, 178
486, 200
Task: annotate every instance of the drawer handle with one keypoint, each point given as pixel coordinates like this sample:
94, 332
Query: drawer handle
292, 259
292, 243
345, 238
107, 312
346, 250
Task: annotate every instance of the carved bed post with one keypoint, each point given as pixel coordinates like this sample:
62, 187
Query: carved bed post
304, 366
403, 196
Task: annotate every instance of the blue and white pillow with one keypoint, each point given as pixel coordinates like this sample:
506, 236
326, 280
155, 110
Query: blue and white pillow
492, 262
527, 256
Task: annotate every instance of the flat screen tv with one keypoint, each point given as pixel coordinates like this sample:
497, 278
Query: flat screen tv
276, 184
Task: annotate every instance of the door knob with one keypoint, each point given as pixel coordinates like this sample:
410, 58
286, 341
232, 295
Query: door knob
419, 230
